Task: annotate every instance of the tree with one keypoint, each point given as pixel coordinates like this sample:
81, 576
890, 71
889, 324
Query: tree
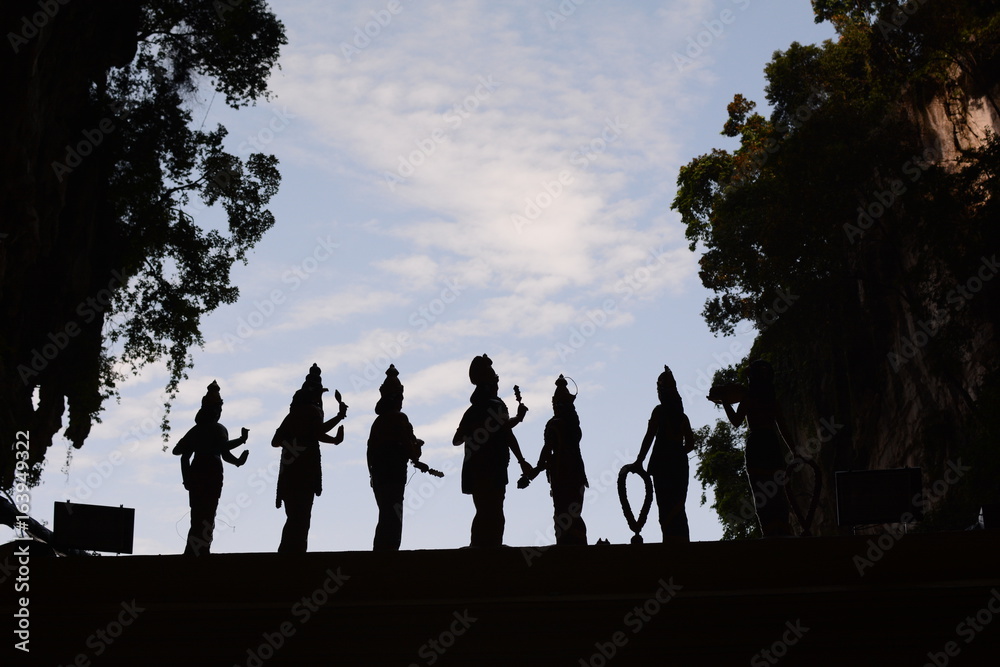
843, 225
721, 466
121, 270
178, 271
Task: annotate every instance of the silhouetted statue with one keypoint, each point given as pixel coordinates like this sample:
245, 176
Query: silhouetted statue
765, 451
485, 430
563, 465
300, 477
209, 444
669, 433
390, 445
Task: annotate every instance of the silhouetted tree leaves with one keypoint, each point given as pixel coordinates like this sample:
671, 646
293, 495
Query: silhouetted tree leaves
163, 164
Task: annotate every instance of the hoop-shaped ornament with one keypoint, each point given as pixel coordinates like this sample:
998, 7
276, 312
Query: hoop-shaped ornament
634, 525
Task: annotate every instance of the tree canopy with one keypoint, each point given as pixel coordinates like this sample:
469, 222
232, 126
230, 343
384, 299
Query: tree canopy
772, 212
179, 271
842, 204
121, 258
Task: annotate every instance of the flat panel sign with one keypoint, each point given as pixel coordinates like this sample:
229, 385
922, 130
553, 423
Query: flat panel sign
878, 496
94, 527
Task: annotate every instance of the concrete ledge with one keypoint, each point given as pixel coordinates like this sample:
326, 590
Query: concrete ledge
819, 601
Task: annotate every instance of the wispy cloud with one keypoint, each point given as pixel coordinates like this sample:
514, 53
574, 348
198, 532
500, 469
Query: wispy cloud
472, 116
338, 307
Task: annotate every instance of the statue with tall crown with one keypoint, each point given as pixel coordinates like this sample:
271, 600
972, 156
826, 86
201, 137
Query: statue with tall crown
300, 477
202, 451
671, 438
562, 462
391, 445
486, 432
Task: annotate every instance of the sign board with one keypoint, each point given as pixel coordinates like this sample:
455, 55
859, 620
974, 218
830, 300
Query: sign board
94, 527
878, 496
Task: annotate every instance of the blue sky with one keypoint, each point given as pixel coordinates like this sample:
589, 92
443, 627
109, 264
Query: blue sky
463, 178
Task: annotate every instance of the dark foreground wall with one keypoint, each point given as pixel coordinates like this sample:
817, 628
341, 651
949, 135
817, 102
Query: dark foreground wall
821, 601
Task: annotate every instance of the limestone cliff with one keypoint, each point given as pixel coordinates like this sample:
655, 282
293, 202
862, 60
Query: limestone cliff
56, 254
899, 366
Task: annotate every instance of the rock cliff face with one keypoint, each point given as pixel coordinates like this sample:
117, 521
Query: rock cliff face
899, 367
56, 256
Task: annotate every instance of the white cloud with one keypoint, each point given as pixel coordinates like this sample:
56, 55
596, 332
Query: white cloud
488, 135
337, 307
416, 271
